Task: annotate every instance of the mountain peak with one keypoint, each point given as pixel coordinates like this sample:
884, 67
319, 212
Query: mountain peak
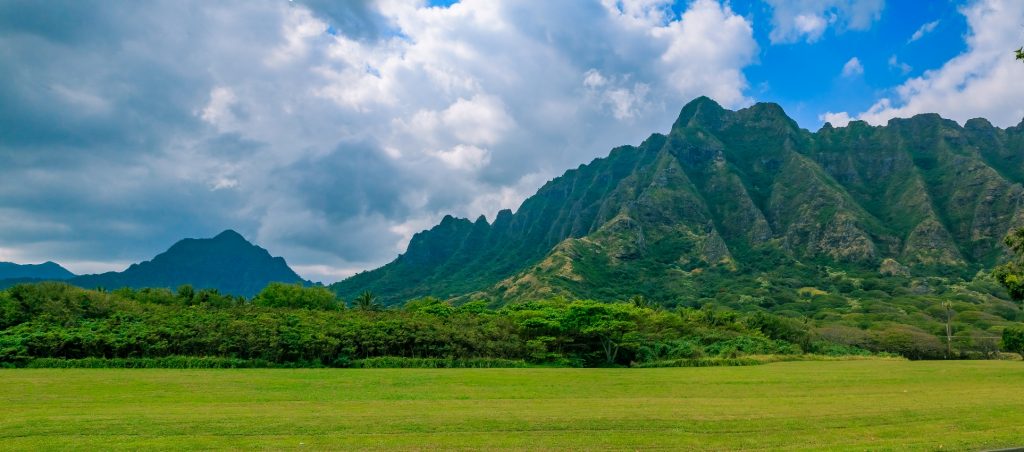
46, 270
768, 108
978, 124
227, 262
702, 111
229, 235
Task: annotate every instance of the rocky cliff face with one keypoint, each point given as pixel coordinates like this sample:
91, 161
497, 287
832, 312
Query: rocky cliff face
724, 191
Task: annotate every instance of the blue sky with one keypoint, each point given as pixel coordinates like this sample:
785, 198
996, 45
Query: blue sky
331, 131
806, 77
807, 90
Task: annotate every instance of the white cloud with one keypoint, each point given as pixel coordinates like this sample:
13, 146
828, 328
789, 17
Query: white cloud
810, 25
895, 63
807, 20
298, 29
853, 68
925, 29
623, 99
593, 79
481, 120
218, 111
984, 81
332, 149
840, 119
464, 157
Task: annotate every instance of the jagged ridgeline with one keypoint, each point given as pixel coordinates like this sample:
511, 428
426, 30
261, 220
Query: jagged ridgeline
743, 196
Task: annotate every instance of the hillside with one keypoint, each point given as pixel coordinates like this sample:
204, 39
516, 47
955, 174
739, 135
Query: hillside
11, 273
44, 271
744, 200
227, 262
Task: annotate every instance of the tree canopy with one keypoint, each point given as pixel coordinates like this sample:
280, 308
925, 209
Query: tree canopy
1011, 274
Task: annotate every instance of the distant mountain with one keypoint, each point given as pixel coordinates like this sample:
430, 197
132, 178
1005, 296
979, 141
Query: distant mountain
44, 271
227, 262
734, 198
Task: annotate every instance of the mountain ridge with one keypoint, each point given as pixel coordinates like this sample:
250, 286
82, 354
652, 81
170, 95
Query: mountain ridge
12, 273
722, 190
226, 262
45, 270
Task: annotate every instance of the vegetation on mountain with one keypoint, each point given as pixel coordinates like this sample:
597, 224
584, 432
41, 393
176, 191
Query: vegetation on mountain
738, 200
228, 263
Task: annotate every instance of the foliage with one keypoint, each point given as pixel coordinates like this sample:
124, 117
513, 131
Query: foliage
294, 325
436, 363
1013, 339
281, 295
1011, 274
366, 301
169, 362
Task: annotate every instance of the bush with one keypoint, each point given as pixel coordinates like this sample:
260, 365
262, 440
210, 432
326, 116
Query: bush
1013, 339
169, 362
280, 295
703, 362
388, 362
910, 342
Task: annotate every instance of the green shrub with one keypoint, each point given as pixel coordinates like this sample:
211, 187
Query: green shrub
169, 362
385, 362
1013, 339
281, 295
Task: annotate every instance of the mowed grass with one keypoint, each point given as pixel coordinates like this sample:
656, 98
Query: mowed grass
855, 405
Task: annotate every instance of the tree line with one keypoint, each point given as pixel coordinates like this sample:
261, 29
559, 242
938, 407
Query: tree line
309, 326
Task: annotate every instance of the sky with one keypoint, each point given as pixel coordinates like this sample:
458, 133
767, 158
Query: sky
329, 132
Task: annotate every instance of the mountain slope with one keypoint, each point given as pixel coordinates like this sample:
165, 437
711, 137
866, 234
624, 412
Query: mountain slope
227, 262
741, 193
44, 271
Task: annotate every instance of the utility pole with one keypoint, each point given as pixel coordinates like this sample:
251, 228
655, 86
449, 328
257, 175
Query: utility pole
949, 331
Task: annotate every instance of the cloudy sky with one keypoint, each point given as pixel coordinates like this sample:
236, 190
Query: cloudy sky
330, 131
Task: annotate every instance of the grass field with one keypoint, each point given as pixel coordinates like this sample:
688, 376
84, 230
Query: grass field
854, 405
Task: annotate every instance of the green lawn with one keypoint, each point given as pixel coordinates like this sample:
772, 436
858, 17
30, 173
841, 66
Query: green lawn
854, 405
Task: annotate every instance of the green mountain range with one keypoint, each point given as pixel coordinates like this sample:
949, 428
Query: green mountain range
227, 262
738, 203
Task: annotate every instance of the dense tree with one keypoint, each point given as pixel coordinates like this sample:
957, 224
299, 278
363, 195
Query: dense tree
1011, 274
295, 325
185, 293
281, 295
1013, 339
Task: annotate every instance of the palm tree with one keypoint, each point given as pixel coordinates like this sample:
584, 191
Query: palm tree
366, 301
641, 301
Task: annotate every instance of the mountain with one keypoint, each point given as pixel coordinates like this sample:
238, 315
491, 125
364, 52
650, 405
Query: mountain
44, 271
227, 262
732, 199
